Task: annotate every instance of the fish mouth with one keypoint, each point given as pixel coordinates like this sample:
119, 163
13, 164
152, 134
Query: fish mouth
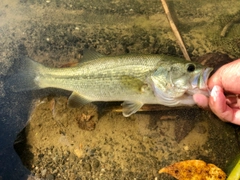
202, 84
200, 80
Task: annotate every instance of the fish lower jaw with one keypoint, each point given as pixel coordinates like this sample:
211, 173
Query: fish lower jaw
204, 91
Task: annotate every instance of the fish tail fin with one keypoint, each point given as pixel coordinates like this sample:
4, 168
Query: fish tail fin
24, 75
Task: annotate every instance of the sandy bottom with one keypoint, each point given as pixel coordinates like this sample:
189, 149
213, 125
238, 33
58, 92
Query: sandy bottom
85, 143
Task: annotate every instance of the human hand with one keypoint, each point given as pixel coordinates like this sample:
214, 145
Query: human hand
224, 98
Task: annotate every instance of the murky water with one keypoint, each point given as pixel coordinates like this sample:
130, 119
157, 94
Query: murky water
63, 143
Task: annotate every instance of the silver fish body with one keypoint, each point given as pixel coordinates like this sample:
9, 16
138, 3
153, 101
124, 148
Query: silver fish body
134, 79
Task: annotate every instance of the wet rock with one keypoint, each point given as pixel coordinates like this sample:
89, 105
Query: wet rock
215, 60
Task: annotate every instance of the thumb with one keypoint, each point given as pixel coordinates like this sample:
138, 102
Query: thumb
201, 100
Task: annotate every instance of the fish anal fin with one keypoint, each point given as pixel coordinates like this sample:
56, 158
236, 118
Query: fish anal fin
76, 100
130, 107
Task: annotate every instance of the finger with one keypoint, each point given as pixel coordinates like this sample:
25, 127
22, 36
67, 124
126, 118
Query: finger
201, 100
218, 105
227, 76
232, 101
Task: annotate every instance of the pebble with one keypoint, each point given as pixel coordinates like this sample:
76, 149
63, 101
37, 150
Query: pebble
95, 163
49, 177
43, 172
145, 138
186, 148
87, 166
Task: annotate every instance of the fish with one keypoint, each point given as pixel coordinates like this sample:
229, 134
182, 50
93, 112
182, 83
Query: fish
135, 79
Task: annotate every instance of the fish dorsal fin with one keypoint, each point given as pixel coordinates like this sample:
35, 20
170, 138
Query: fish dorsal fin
130, 107
89, 55
76, 100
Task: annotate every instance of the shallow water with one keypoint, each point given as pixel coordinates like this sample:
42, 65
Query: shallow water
63, 143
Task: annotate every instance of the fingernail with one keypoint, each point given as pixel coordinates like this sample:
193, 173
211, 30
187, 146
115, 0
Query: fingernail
214, 93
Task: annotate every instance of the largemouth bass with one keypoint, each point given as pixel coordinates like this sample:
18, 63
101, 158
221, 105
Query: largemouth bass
133, 79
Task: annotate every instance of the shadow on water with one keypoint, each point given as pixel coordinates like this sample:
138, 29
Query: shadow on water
14, 115
15, 109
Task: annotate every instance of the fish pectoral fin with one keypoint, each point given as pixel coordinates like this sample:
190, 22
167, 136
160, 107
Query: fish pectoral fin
130, 107
76, 100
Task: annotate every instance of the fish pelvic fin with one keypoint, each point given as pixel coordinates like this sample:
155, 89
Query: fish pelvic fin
130, 107
24, 75
75, 100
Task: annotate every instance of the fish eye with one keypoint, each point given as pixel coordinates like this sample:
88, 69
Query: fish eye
191, 67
